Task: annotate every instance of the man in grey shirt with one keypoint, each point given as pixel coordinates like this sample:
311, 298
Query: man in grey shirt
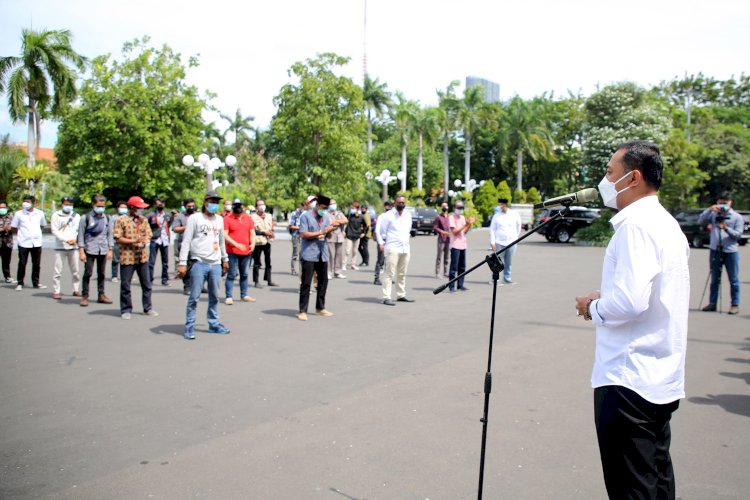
726, 231
95, 247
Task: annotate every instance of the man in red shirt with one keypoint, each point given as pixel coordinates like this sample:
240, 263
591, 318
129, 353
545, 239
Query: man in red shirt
239, 233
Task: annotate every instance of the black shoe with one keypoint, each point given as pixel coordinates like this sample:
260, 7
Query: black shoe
377, 282
709, 308
405, 299
464, 289
271, 283
389, 302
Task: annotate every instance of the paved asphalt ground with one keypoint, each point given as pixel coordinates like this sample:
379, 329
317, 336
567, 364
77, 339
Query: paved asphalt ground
374, 403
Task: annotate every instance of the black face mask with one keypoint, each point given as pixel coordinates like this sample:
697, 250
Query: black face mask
400, 207
445, 209
160, 208
190, 211
237, 209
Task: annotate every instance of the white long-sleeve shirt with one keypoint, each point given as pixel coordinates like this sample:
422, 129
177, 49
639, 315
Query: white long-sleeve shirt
642, 315
505, 228
65, 228
203, 240
393, 230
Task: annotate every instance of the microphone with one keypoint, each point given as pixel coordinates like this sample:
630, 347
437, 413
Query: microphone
582, 196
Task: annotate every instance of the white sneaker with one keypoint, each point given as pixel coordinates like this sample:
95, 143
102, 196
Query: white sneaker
151, 313
343, 268
341, 275
125, 315
229, 301
115, 279
19, 288
41, 287
355, 267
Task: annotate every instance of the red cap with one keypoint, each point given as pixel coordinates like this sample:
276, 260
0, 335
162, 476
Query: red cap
137, 202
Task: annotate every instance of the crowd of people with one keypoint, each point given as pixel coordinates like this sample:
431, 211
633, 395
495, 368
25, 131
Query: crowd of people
209, 244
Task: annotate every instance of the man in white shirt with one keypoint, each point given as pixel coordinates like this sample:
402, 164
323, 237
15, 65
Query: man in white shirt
65, 224
504, 230
27, 225
641, 328
393, 233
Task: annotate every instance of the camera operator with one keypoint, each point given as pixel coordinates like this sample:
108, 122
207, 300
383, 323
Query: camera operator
726, 229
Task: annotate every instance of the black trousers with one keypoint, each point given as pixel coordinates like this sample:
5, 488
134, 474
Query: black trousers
380, 263
101, 263
164, 250
321, 270
266, 251
126, 274
634, 437
36, 262
364, 250
5, 254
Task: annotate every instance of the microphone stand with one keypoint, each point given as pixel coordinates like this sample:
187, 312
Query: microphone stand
496, 265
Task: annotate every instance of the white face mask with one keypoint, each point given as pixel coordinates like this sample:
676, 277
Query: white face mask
262, 208
608, 190
26, 205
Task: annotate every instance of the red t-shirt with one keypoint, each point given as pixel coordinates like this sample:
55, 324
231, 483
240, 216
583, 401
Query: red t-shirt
239, 230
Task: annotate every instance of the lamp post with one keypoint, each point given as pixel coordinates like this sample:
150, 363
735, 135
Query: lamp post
385, 178
209, 165
470, 186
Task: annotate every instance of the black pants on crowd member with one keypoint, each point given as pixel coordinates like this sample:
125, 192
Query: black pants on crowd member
321, 271
101, 263
154, 249
36, 263
380, 263
364, 250
266, 251
126, 274
5, 254
634, 437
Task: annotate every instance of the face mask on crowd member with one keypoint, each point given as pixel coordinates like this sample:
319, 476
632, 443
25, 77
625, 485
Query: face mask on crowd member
261, 209
26, 205
227, 207
609, 192
444, 208
459, 209
237, 209
4, 210
332, 207
400, 206
122, 210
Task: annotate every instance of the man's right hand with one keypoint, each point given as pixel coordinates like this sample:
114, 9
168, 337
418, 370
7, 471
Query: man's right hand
83, 255
241, 247
181, 271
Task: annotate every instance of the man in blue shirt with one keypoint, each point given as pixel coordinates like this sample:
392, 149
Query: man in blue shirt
314, 229
726, 231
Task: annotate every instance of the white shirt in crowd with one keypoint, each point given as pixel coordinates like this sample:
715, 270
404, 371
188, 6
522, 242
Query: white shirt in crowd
393, 230
65, 228
505, 228
29, 225
203, 240
642, 315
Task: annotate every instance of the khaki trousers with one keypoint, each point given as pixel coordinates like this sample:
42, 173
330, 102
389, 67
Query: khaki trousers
72, 257
351, 247
395, 270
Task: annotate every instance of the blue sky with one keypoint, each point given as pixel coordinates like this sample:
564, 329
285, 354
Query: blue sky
246, 47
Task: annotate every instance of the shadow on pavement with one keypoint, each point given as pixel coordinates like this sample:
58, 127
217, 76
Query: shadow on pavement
106, 312
292, 313
368, 300
742, 376
738, 404
173, 329
284, 290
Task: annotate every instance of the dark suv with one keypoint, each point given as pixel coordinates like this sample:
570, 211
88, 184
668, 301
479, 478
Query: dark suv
698, 235
422, 219
563, 229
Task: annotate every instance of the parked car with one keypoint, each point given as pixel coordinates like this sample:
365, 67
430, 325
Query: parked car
564, 228
422, 219
699, 235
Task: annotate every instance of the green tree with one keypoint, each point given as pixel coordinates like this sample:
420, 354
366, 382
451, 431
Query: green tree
683, 179
485, 199
503, 191
519, 195
10, 162
446, 118
40, 83
136, 119
240, 125
403, 117
319, 129
425, 127
470, 118
533, 196
377, 100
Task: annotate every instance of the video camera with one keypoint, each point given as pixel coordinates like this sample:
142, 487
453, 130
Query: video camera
721, 216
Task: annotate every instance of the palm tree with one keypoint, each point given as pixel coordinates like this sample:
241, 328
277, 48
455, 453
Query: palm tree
470, 119
377, 100
446, 120
402, 115
525, 132
424, 126
27, 79
240, 126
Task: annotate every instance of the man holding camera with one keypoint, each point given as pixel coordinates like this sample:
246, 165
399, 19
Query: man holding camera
726, 230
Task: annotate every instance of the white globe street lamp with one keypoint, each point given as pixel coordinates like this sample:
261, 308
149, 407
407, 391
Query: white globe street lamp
385, 178
209, 165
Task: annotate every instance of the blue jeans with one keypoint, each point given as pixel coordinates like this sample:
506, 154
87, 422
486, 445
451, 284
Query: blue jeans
241, 264
732, 262
198, 274
507, 258
458, 266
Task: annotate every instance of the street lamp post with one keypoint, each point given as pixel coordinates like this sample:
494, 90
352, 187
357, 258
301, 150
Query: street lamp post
470, 186
385, 178
209, 165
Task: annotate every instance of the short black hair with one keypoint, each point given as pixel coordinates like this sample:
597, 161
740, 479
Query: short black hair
97, 198
503, 200
2, 202
121, 202
187, 200
158, 199
29, 197
645, 157
725, 195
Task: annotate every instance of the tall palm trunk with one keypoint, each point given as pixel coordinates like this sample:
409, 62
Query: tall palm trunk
467, 158
419, 163
446, 172
369, 131
403, 166
519, 169
30, 139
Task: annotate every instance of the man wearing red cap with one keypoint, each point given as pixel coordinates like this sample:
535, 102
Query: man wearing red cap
133, 233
